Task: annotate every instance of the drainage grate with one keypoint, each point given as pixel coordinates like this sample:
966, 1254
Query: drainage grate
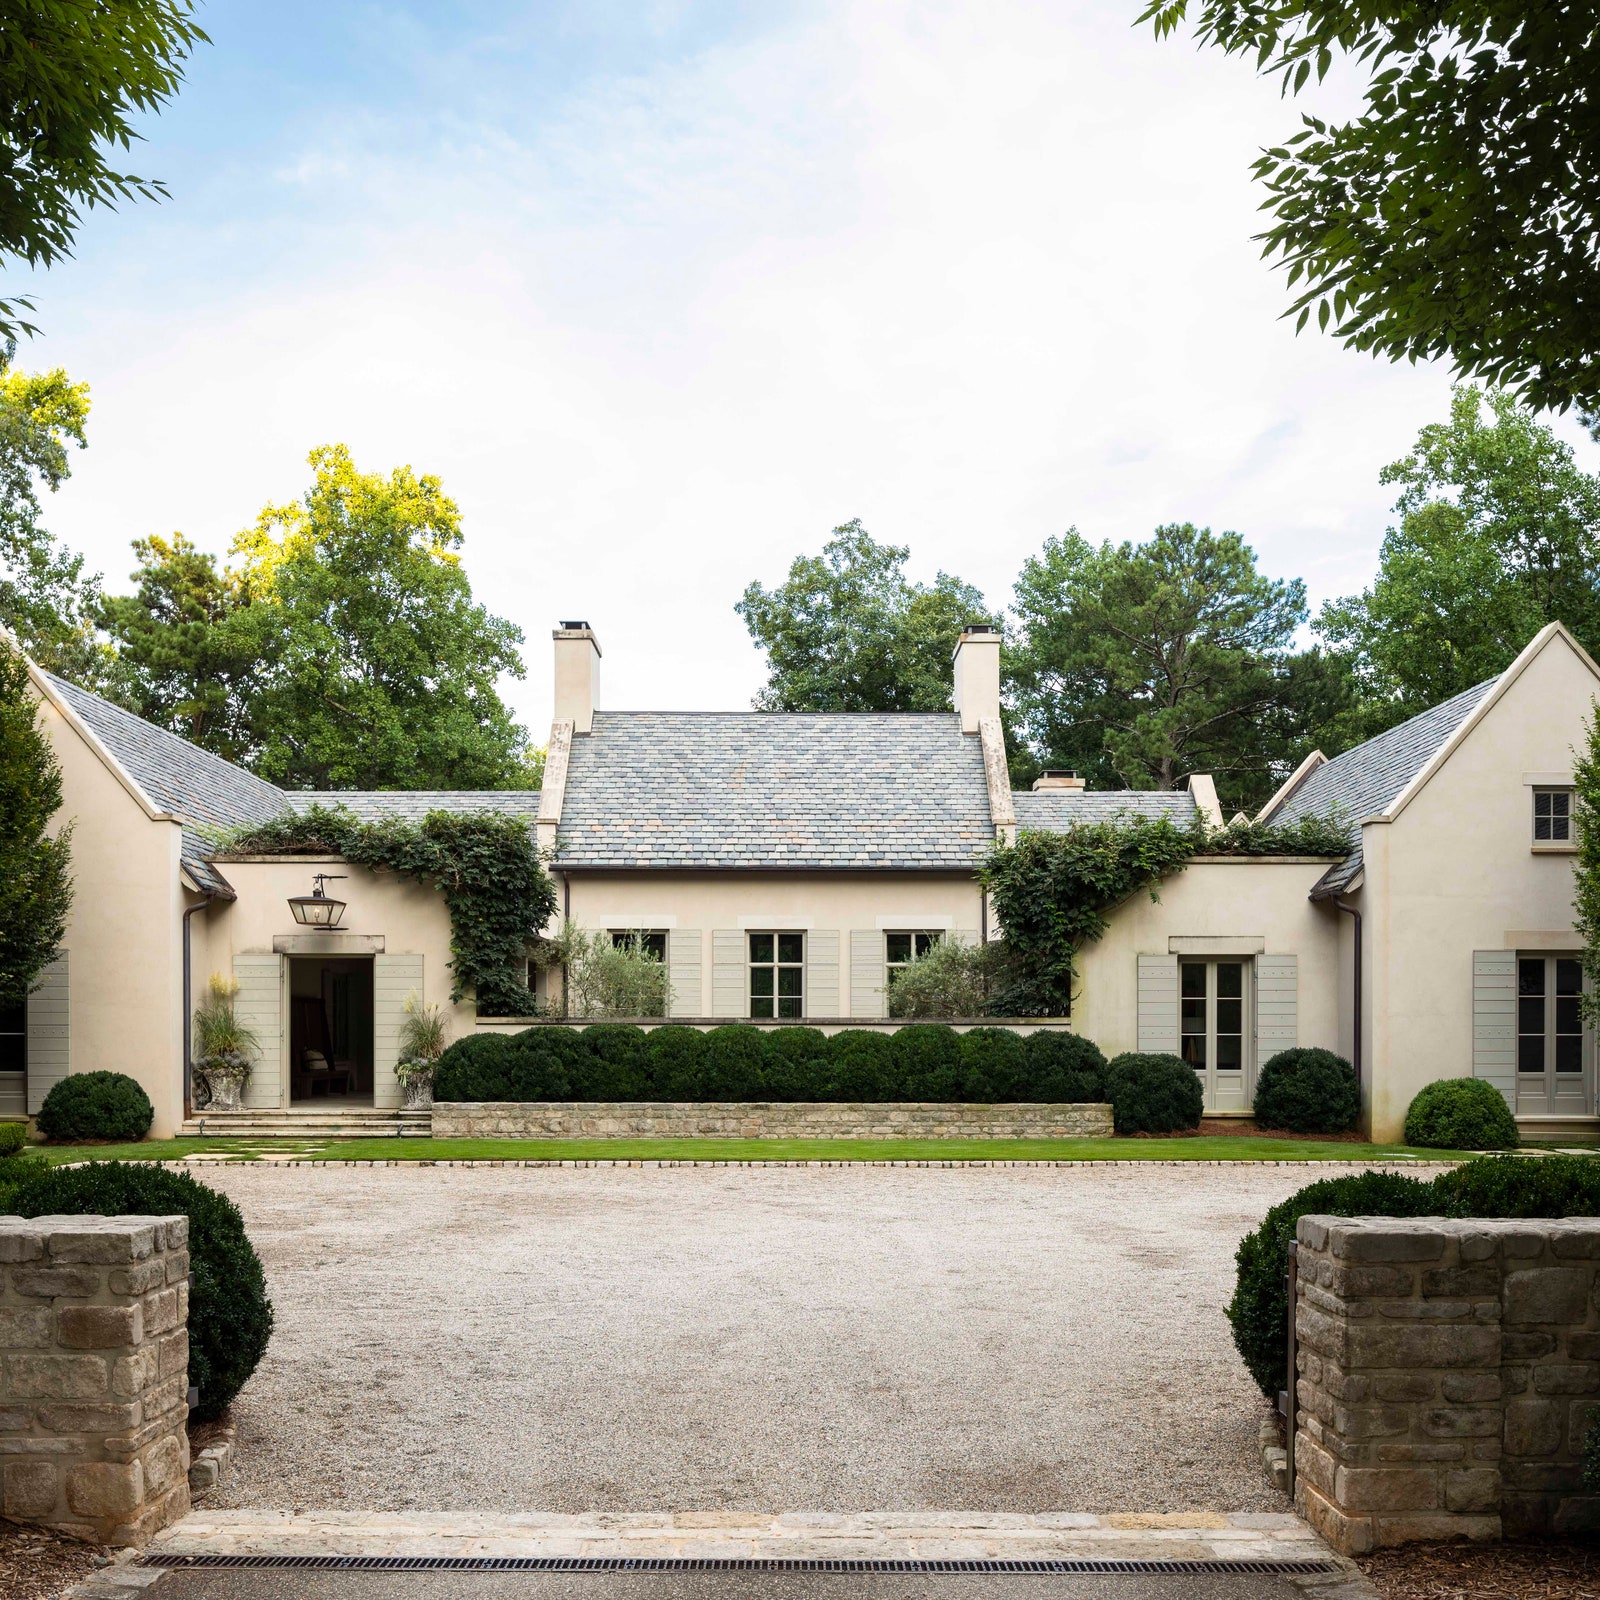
1288, 1569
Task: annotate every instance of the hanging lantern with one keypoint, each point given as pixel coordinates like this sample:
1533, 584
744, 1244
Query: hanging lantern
318, 909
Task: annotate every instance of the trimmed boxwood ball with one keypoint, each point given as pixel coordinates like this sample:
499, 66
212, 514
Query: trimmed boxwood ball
1513, 1186
929, 1057
1308, 1091
734, 1066
230, 1316
13, 1138
1461, 1114
96, 1105
1153, 1093
1064, 1067
1259, 1310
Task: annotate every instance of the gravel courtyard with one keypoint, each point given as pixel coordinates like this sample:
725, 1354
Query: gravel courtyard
829, 1339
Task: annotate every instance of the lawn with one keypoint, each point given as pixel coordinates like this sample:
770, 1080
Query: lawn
1202, 1148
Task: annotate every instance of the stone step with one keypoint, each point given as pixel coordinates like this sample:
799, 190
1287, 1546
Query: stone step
357, 1121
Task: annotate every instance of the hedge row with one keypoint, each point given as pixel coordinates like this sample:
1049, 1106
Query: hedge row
922, 1061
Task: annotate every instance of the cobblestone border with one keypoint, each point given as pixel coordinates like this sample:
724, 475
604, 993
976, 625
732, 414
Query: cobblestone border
1399, 1165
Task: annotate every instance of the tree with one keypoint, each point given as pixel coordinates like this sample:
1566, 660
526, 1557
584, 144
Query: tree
1140, 664
46, 602
846, 631
378, 668
1498, 533
1457, 215
35, 866
185, 659
72, 75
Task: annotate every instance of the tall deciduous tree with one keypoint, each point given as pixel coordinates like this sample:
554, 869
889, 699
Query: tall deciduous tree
73, 76
1457, 214
35, 866
378, 667
46, 601
847, 631
1498, 533
1141, 663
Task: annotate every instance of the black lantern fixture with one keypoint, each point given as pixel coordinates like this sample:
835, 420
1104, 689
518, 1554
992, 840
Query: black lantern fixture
318, 909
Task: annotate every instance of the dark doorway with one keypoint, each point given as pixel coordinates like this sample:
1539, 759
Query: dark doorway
330, 1030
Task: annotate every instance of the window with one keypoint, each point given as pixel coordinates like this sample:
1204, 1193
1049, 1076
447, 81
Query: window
1211, 1001
1549, 1014
901, 949
652, 941
1552, 816
777, 971
14, 1037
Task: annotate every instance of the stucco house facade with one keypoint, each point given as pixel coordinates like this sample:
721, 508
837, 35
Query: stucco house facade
783, 865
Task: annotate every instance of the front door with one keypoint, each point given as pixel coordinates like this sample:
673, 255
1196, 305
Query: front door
1555, 1053
1212, 1001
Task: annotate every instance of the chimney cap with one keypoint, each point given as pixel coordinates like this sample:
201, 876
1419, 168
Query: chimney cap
980, 627
1059, 778
573, 626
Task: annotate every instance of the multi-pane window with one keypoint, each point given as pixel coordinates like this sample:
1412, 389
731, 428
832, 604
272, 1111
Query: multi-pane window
14, 1037
1211, 1013
652, 941
1552, 816
1549, 1014
777, 974
901, 949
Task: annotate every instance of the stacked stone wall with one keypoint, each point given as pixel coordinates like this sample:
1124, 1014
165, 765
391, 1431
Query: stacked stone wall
94, 1374
579, 1119
1446, 1376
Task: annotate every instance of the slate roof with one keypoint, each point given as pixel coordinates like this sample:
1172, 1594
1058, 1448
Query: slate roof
177, 776
816, 791
1063, 808
373, 805
1365, 780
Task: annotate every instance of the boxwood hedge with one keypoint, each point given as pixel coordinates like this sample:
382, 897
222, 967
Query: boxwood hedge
918, 1062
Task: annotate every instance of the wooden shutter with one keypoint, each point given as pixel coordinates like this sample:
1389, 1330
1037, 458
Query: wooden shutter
729, 974
866, 973
49, 1059
1277, 1006
393, 979
260, 1008
1158, 1004
684, 962
822, 973
1494, 1020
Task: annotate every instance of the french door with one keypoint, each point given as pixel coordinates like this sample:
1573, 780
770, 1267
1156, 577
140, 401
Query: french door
1214, 1042
1555, 1052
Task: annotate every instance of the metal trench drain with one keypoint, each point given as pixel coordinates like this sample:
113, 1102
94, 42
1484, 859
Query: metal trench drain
1046, 1566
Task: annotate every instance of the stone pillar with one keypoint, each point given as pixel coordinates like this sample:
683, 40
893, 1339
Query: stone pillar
1446, 1372
94, 1374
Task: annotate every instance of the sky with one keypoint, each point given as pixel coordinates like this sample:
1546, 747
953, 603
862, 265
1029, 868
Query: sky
664, 291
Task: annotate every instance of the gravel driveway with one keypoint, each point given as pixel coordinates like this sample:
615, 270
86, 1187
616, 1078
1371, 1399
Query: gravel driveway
831, 1339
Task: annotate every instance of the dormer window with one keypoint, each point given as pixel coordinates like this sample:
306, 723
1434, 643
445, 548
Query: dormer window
1552, 816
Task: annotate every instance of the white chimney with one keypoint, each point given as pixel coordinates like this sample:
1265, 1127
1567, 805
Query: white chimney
577, 675
977, 674
1058, 778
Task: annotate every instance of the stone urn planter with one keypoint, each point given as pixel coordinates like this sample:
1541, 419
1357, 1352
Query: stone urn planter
225, 1081
416, 1084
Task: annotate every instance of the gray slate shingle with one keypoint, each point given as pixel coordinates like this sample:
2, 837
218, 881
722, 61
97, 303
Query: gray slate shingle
373, 805
1057, 809
1363, 781
813, 791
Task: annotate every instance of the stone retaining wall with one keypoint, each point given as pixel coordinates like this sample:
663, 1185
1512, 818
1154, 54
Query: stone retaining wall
1447, 1372
577, 1119
94, 1374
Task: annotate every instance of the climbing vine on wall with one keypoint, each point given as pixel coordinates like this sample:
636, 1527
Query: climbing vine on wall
485, 865
1052, 893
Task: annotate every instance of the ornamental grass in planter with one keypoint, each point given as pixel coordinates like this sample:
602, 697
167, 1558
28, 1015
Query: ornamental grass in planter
223, 1047
422, 1039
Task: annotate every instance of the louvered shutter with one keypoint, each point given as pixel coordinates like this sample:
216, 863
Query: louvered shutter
393, 979
1494, 1020
1158, 1004
822, 973
49, 1059
260, 1007
729, 974
866, 973
684, 963
1277, 1006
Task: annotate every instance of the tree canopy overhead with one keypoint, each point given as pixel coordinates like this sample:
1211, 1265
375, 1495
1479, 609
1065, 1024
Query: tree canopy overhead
73, 75
1498, 533
848, 631
1458, 214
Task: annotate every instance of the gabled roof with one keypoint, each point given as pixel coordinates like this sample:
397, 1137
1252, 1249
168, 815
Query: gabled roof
815, 791
1064, 808
374, 805
175, 776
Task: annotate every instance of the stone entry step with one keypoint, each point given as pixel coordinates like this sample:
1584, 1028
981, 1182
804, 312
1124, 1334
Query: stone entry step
365, 1122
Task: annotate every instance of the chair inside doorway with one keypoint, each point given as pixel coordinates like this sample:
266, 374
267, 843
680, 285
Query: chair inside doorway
330, 1030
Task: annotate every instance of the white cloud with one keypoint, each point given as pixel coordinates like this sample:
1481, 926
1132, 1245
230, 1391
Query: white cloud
973, 273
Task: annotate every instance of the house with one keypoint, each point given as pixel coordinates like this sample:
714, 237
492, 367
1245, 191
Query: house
784, 866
